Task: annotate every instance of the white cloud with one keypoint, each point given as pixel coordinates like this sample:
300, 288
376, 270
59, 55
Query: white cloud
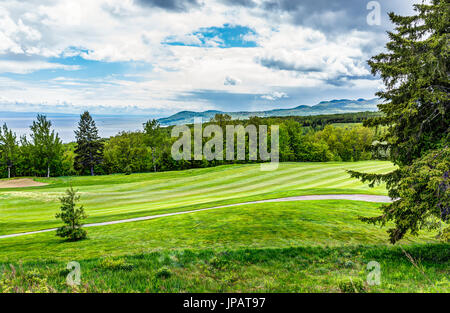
288, 55
274, 96
20, 67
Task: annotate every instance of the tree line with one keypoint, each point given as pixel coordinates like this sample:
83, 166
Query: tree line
43, 154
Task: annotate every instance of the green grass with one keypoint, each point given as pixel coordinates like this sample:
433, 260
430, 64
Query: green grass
307, 246
116, 197
296, 269
263, 225
311, 246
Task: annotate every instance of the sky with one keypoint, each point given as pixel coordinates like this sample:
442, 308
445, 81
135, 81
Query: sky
158, 57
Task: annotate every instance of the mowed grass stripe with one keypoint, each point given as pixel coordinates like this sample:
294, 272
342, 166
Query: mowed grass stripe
223, 189
240, 184
26, 209
222, 192
224, 182
216, 182
246, 182
175, 182
307, 181
199, 199
139, 195
186, 194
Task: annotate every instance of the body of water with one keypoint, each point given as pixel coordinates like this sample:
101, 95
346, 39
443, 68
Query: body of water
65, 124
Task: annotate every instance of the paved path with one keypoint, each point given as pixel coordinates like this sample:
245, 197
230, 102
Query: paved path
367, 198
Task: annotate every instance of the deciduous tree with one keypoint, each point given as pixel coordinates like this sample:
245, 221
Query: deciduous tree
46, 146
9, 148
155, 138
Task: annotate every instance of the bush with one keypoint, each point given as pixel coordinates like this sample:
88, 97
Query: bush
71, 234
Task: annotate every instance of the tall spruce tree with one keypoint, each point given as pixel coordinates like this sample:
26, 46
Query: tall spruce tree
89, 149
415, 71
9, 148
46, 146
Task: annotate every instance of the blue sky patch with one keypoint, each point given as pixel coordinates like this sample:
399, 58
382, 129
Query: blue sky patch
227, 36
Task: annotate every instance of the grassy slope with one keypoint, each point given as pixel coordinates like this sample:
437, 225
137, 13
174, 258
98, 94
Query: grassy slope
118, 196
310, 246
263, 225
272, 247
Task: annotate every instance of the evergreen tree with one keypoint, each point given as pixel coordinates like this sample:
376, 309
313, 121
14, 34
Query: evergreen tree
89, 149
415, 71
71, 216
8, 148
46, 146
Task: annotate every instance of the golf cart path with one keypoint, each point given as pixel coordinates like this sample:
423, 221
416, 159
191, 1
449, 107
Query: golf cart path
355, 197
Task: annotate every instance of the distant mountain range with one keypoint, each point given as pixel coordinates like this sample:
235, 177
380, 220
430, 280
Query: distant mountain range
324, 107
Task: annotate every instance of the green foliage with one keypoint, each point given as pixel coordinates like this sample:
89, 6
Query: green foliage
72, 217
9, 149
134, 152
347, 144
45, 147
68, 160
415, 71
423, 193
89, 148
157, 139
445, 236
127, 153
221, 119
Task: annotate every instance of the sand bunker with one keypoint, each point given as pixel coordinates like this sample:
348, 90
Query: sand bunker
18, 183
